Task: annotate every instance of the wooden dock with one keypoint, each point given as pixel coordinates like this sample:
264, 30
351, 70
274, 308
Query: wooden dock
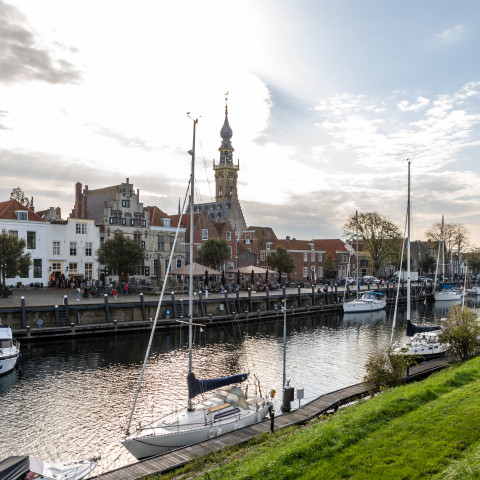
321, 405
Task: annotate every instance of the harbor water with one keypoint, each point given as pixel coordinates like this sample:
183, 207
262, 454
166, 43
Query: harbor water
72, 398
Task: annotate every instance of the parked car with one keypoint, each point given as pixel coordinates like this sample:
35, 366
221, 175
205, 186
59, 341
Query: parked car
424, 279
368, 279
350, 280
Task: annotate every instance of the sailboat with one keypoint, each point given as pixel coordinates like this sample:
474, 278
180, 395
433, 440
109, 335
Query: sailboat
369, 301
447, 292
422, 341
229, 409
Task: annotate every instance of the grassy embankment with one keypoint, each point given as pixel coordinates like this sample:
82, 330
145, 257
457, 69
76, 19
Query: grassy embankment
429, 429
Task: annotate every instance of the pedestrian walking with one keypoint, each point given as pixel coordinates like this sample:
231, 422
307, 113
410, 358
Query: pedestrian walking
78, 294
114, 293
127, 287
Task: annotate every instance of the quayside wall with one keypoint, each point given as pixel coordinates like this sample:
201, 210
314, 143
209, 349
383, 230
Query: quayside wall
33, 322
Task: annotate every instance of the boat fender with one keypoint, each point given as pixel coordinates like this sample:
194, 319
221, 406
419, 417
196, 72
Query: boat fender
211, 433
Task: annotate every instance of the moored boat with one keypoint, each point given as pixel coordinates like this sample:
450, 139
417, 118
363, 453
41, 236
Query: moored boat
368, 302
9, 350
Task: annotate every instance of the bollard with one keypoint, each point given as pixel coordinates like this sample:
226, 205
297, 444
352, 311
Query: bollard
115, 324
28, 330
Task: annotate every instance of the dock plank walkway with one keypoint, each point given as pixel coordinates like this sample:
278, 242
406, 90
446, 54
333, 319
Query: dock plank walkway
315, 408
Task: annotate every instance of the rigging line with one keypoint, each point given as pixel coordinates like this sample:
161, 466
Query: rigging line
399, 276
205, 168
157, 313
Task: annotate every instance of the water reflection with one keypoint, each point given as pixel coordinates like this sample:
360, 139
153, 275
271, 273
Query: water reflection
72, 399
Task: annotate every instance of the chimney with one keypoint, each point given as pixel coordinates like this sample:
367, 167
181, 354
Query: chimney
78, 199
32, 208
287, 238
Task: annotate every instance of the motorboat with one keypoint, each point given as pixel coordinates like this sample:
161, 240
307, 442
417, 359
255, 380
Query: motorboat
368, 302
9, 350
24, 467
229, 409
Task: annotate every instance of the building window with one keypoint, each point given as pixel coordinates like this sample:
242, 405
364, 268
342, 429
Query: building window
88, 271
22, 215
305, 272
31, 240
161, 244
88, 249
312, 255
343, 259
166, 222
37, 268
364, 263
262, 256
319, 257
81, 228
230, 266
155, 267
269, 246
166, 264
172, 242
56, 248
179, 262
56, 266
73, 249
72, 267
229, 236
116, 219
143, 243
126, 203
204, 234
13, 233
137, 237
305, 257
320, 272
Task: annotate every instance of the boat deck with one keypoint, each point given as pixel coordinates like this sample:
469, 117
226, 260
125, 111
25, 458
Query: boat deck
319, 406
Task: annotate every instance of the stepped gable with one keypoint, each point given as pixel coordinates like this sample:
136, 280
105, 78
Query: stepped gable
8, 209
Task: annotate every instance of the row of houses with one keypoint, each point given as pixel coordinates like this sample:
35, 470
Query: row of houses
66, 248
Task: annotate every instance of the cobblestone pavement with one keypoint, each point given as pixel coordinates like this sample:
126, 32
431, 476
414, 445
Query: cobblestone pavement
54, 296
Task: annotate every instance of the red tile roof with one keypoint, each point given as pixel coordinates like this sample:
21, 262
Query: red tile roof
8, 209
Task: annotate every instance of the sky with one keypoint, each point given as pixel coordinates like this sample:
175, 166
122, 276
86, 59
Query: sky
327, 100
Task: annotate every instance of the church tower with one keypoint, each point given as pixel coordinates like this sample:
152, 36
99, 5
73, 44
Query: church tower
226, 173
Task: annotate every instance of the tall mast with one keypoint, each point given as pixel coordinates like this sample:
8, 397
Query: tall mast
358, 281
443, 251
190, 285
408, 245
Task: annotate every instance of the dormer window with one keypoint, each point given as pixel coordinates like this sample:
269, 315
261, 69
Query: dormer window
21, 215
166, 222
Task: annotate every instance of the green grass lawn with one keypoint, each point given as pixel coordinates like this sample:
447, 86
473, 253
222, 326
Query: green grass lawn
424, 430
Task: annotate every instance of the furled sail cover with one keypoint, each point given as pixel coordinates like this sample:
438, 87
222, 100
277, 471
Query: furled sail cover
196, 386
412, 329
13, 468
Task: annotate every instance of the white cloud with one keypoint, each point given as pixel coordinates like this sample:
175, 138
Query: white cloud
451, 34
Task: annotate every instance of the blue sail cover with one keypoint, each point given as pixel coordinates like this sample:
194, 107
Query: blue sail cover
412, 329
196, 386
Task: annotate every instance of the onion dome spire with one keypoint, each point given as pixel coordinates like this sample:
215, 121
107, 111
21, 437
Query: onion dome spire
226, 133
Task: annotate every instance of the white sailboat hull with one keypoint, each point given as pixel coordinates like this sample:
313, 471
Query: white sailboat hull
186, 431
9, 350
442, 296
368, 302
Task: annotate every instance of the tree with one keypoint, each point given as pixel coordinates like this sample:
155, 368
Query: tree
18, 195
456, 237
385, 369
330, 266
473, 259
121, 254
281, 261
461, 331
13, 261
214, 253
428, 264
376, 233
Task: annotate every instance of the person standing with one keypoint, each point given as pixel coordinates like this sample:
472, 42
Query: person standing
78, 294
127, 287
114, 293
